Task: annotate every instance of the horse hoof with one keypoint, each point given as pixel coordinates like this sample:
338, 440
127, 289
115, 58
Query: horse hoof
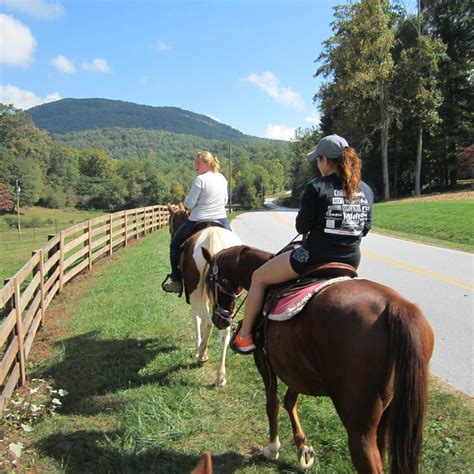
270, 453
306, 455
202, 361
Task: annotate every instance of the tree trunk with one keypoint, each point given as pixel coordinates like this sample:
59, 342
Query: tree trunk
384, 144
419, 156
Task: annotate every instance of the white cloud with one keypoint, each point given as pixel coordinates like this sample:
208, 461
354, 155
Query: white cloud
22, 99
36, 8
97, 65
313, 118
63, 64
161, 46
269, 83
280, 132
17, 44
214, 117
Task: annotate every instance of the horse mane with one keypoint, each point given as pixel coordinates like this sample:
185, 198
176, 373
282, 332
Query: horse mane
243, 257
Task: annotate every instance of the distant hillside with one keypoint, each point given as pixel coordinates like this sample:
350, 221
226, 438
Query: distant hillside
73, 115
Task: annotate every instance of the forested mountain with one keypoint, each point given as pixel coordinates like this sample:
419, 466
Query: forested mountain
119, 168
70, 115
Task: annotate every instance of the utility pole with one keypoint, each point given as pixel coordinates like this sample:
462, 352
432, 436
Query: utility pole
230, 180
18, 190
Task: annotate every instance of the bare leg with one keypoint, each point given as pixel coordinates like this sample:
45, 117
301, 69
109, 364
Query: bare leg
276, 270
305, 453
271, 451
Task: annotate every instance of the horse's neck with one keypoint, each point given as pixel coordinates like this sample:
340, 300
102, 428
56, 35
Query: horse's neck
249, 260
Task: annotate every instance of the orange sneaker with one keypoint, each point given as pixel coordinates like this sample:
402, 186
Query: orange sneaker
243, 345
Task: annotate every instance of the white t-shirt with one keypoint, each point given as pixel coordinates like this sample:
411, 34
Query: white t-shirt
207, 197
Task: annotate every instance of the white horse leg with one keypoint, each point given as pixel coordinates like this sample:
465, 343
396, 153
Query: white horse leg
202, 325
224, 337
272, 451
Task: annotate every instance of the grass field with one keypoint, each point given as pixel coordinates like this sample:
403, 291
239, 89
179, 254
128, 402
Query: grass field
15, 248
446, 220
137, 402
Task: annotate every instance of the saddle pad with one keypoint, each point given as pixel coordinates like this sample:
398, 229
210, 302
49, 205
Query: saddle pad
290, 305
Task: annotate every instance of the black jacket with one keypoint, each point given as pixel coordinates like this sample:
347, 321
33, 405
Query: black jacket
335, 225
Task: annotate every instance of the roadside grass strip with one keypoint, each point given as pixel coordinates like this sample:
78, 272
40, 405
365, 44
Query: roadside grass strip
138, 402
445, 223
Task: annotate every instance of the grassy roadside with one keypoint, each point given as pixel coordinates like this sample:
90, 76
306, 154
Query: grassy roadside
137, 402
447, 221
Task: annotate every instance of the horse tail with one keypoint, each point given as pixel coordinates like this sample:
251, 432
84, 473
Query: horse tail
411, 346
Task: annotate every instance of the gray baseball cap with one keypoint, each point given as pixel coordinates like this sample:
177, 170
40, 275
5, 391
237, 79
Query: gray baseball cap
330, 147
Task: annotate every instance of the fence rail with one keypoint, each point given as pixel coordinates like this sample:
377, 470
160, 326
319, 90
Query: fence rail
25, 297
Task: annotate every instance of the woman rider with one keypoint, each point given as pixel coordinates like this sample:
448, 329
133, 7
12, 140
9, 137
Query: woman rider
206, 200
336, 212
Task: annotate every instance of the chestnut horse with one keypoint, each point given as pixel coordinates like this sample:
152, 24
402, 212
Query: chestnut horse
358, 342
193, 269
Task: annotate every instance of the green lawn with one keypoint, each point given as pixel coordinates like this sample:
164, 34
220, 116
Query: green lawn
16, 248
137, 401
446, 223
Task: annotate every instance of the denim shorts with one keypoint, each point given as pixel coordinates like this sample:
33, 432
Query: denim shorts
302, 259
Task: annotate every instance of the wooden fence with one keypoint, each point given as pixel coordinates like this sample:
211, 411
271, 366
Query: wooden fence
26, 296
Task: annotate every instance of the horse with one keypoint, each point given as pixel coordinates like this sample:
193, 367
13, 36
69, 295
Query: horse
193, 269
358, 342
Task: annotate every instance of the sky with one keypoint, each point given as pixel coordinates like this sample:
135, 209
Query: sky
246, 63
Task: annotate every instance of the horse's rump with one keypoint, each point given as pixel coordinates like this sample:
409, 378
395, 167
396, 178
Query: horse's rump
343, 329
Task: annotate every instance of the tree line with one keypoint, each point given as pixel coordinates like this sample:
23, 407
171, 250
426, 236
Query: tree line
114, 169
399, 87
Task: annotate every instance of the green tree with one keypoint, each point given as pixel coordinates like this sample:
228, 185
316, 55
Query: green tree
452, 21
415, 85
358, 64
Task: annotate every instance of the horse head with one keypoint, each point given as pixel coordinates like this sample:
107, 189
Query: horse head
178, 216
223, 289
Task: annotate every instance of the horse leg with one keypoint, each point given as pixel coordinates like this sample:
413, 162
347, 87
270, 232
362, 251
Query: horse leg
362, 419
202, 327
224, 336
305, 453
269, 379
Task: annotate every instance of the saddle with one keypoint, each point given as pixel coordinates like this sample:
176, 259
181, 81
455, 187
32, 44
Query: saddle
285, 300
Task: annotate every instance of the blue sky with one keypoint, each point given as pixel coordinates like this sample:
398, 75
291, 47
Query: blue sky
248, 64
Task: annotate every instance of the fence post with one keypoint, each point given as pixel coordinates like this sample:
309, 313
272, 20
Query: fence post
61, 261
152, 219
89, 243
136, 223
51, 253
19, 330
110, 236
125, 242
39, 268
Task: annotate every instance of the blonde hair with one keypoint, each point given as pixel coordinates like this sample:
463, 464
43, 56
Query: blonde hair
349, 170
210, 160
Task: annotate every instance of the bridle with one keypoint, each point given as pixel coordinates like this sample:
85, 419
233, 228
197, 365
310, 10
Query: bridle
225, 316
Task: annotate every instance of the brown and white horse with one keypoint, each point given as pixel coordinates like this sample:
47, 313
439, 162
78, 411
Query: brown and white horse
358, 342
194, 268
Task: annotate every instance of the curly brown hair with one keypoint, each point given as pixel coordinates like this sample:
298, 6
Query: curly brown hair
349, 167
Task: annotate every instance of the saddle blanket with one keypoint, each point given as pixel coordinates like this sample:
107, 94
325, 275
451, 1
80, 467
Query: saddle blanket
291, 304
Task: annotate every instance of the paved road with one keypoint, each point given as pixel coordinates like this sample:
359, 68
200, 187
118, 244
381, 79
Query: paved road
439, 281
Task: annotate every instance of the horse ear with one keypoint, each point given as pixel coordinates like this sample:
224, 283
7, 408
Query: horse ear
207, 255
181, 206
170, 208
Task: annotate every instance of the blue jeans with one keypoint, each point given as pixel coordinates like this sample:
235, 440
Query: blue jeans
178, 239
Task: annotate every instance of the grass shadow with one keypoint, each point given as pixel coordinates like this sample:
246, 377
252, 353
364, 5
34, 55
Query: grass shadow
91, 366
94, 451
